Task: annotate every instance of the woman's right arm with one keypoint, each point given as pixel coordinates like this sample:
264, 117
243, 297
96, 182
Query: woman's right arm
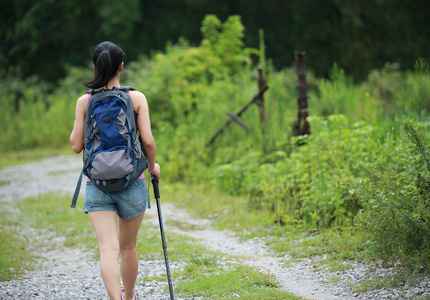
140, 105
77, 136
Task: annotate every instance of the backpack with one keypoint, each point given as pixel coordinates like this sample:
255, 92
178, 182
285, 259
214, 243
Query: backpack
113, 156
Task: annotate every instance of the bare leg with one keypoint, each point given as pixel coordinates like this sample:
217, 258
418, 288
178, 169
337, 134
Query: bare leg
105, 227
128, 230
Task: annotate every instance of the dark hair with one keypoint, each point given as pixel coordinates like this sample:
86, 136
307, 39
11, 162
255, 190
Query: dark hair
107, 58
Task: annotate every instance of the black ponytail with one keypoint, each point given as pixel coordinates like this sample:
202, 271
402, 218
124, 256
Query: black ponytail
107, 59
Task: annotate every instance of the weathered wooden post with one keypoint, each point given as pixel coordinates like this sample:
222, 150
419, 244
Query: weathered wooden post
301, 126
260, 101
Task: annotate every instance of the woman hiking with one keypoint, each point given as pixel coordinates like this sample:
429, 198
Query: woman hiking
116, 217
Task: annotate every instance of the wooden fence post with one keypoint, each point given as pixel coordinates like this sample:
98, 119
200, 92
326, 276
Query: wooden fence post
301, 126
260, 101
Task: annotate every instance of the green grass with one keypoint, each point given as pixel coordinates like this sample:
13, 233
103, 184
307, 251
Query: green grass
231, 281
22, 157
52, 213
49, 216
14, 256
180, 247
332, 264
227, 211
346, 244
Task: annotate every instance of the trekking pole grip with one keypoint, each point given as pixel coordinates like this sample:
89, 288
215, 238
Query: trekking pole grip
155, 185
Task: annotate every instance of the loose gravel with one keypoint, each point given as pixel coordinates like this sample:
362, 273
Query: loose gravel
64, 273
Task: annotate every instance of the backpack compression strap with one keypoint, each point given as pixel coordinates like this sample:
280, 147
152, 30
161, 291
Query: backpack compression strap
78, 188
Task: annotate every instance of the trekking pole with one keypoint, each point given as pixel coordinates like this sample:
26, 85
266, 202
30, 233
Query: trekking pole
163, 239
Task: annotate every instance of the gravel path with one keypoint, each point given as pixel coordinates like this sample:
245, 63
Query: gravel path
73, 274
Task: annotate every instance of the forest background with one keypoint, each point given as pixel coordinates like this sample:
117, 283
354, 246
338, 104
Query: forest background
363, 171
43, 37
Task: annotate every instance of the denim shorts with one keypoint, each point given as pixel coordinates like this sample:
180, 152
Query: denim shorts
127, 203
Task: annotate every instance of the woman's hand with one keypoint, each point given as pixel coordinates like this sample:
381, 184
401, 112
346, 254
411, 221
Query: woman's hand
156, 171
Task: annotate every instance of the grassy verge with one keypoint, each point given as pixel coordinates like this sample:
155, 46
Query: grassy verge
26, 156
228, 212
52, 216
181, 248
38, 223
207, 279
14, 256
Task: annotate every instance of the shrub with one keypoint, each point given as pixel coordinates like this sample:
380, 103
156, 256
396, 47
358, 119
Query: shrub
396, 203
309, 185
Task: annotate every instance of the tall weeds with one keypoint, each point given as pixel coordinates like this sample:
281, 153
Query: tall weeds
396, 203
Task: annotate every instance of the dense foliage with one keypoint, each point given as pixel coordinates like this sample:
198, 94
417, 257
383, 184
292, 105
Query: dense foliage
42, 37
396, 203
354, 162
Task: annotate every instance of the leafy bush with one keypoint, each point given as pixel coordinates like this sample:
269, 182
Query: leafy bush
310, 186
396, 202
35, 116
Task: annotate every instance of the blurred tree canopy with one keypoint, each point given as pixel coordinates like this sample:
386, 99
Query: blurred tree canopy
42, 37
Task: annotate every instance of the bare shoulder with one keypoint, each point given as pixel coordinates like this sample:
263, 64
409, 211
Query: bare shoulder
137, 95
82, 98
82, 102
138, 99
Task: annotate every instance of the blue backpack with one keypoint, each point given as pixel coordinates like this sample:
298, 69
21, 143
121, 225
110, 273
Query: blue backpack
113, 155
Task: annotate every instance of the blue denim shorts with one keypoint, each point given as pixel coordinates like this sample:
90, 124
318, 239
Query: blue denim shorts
127, 203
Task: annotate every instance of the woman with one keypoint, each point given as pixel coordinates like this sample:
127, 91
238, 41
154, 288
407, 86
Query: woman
116, 230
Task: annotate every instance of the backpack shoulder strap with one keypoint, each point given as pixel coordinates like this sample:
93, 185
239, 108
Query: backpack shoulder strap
126, 88
95, 91
122, 88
